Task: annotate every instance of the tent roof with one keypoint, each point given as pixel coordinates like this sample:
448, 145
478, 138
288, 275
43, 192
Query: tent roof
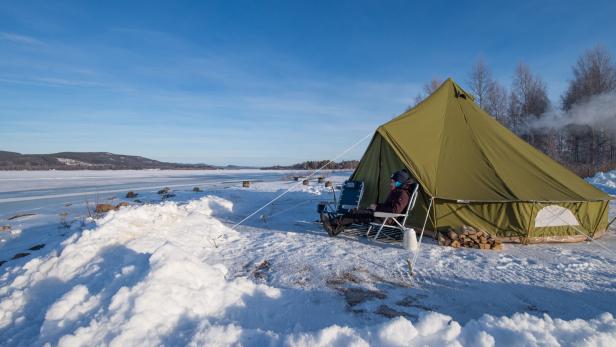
459, 152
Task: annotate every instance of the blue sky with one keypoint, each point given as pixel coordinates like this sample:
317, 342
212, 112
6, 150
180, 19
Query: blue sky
259, 82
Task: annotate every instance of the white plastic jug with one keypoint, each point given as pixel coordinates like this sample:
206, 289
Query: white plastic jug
409, 241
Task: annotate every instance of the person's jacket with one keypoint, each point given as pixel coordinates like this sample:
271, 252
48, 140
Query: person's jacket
397, 200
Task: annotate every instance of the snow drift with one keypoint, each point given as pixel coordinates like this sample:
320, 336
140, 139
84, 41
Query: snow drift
605, 181
148, 275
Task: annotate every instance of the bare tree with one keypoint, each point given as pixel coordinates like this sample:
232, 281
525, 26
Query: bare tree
480, 81
428, 89
593, 74
431, 87
496, 102
533, 102
531, 92
591, 147
513, 113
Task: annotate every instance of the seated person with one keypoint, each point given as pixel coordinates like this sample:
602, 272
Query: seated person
396, 202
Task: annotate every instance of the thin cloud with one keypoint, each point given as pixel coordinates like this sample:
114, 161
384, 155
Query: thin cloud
68, 82
52, 82
20, 39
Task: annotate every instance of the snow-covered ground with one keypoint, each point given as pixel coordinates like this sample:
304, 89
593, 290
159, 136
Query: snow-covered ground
605, 181
174, 272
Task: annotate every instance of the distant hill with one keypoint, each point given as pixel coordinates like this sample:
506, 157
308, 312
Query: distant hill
315, 164
87, 161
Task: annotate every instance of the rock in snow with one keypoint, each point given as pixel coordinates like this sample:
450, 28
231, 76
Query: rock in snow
145, 276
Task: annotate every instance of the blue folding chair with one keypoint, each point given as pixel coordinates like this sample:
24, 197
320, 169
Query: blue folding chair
352, 192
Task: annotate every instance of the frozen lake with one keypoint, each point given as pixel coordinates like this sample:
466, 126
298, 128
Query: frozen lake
32, 191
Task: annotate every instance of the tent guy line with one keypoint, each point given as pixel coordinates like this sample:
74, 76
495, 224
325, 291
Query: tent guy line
299, 183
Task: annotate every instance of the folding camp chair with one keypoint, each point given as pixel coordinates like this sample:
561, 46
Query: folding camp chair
352, 192
397, 226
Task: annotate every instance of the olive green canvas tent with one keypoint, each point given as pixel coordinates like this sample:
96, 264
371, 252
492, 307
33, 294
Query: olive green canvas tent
476, 172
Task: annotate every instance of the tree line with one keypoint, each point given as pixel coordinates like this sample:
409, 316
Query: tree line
317, 164
579, 130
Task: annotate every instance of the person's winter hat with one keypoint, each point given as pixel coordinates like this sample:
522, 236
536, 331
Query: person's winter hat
401, 176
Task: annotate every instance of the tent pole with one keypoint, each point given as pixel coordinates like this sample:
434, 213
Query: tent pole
435, 220
594, 231
530, 219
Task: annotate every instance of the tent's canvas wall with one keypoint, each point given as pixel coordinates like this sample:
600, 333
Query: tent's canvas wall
518, 221
479, 174
375, 169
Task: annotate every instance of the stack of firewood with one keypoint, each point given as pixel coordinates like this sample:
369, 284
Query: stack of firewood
468, 237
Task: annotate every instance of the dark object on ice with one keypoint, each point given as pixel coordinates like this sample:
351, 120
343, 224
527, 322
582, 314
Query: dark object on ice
263, 265
355, 296
306, 182
20, 255
320, 179
246, 184
138, 201
389, 312
328, 184
165, 190
131, 195
168, 195
37, 247
2, 262
20, 215
197, 190
104, 208
260, 271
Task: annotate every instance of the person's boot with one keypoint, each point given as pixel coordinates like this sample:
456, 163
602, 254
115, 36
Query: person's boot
327, 224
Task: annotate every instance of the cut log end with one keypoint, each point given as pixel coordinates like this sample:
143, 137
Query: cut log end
469, 237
